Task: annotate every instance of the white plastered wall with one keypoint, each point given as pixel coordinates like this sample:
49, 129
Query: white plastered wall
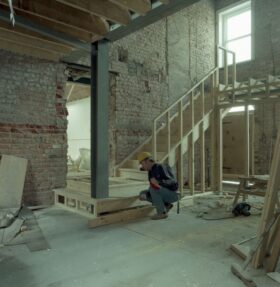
78, 126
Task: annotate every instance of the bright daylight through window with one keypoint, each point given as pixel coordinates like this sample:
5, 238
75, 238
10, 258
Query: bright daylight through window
235, 31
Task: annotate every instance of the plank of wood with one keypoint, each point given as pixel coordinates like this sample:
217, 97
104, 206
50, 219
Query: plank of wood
12, 178
31, 41
274, 275
122, 216
240, 250
269, 203
29, 50
138, 6
58, 26
202, 157
105, 9
110, 204
60, 13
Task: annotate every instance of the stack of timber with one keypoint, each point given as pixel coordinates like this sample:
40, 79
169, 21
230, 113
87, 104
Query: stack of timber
121, 205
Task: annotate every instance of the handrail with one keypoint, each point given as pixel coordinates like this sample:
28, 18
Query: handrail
226, 74
167, 110
189, 91
215, 83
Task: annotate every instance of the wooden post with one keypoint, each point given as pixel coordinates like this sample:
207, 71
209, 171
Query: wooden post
220, 149
225, 68
154, 140
247, 141
192, 109
168, 132
270, 200
191, 163
213, 120
253, 144
181, 160
202, 100
202, 156
234, 68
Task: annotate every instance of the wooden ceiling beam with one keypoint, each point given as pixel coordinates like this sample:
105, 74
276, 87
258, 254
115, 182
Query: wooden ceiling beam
23, 31
13, 36
56, 12
73, 32
29, 50
139, 6
102, 8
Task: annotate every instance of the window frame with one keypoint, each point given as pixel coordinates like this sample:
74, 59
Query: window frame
230, 11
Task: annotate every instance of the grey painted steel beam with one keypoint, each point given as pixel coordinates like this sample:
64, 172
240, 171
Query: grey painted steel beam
100, 119
151, 17
56, 35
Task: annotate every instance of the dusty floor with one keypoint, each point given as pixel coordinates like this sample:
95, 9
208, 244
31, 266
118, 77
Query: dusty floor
180, 251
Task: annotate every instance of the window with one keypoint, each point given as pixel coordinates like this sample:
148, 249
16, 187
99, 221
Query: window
235, 31
241, 109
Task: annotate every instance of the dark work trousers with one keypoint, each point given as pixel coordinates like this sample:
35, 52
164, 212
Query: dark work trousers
160, 197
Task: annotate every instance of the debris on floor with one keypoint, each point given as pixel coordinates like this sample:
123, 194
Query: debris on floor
215, 207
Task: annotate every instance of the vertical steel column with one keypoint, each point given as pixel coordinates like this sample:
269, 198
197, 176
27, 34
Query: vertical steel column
99, 120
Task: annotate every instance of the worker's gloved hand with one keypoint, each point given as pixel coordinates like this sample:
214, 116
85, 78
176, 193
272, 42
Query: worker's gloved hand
154, 183
154, 186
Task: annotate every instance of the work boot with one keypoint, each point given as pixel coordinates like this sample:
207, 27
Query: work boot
168, 206
159, 216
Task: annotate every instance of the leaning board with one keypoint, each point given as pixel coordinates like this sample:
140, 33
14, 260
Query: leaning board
12, 177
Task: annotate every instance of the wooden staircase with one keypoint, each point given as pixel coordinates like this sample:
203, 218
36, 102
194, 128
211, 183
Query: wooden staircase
175, 132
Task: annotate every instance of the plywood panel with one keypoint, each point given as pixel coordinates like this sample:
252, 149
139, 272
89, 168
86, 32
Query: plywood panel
12, 177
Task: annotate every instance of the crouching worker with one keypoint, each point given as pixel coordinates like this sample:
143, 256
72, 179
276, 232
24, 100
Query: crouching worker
163, 185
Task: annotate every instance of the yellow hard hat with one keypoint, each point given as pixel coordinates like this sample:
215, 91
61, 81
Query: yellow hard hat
143, 155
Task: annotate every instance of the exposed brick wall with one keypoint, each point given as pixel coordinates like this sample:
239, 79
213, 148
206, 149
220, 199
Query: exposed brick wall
33, 122
138, 63
190, 46
153, 67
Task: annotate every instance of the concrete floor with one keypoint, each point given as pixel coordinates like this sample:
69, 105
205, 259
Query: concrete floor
180, 251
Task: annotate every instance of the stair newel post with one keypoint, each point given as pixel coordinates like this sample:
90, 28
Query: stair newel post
234, 68
202, 100
225, 68
247, 141
202, 156
168, 133
220, 149
191, 146
214, 84
181, 160
202, 140
154, 140
215, 136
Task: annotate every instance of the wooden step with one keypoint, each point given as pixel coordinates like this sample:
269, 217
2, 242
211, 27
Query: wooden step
133, 174
102, 211
121, 216
117, 186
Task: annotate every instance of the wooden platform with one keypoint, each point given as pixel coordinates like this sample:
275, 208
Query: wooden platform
121, 205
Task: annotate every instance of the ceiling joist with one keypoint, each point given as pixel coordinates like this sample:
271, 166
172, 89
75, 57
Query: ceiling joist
139, 6
102, 8
54, 11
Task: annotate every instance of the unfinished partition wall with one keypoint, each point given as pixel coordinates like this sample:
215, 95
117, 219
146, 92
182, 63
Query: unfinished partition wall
33, 122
